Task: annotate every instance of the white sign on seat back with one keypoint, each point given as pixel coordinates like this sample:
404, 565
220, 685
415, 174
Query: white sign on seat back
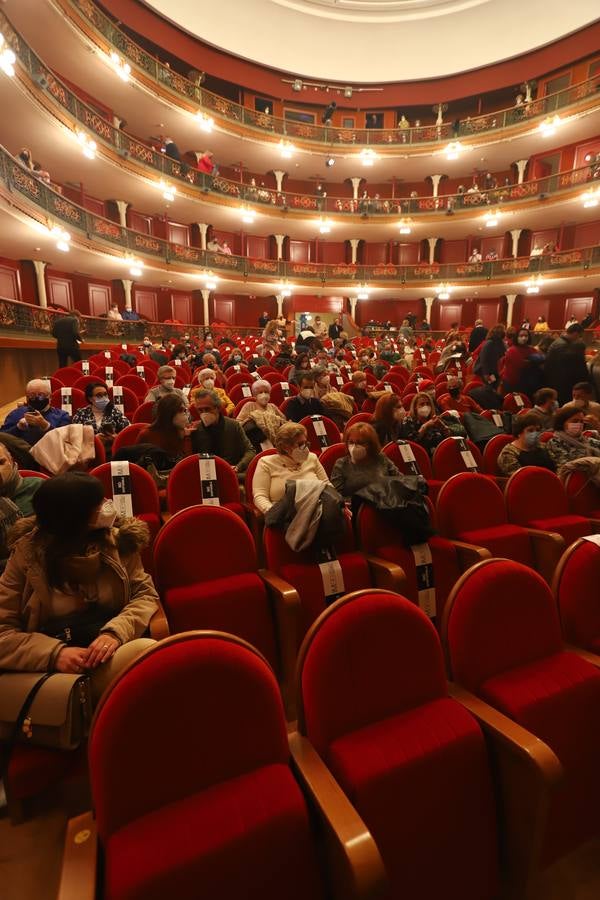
209, 486
497, 420
424, 573
107, 354
141, 372
66, 400
467, 456
246, 390
332, 578
320, 430
408, 456
109, 375
285, 388
120, 478
117, 397
85, 367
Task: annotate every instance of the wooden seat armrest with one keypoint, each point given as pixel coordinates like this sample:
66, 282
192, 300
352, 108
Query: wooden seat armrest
286, 610
595, 523
78, 874
253, 512
588, 655
547, 549
387, 575
159, 627
354, 860
469, 554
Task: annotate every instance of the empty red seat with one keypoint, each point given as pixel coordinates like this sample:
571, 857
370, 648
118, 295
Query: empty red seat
449, 457
492, 451
536, 498
583, 495
68, 398
281, 390
128, 437
144, 413
130, 402
241, 391
135, 384
116, 368
145, 369
576, 590
68, 375
321, 432
516, 402
185, 487
330, 455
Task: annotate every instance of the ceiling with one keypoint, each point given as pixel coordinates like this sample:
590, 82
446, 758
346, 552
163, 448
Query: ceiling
375, 41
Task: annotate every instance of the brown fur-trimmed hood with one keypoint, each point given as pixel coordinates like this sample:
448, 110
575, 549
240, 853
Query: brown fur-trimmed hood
128, 535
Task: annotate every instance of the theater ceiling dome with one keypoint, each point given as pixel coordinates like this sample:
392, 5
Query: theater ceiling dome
375, 41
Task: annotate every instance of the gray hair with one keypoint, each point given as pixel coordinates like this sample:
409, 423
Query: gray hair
205, 373
166, 371
42, 385
260, 385
212, 395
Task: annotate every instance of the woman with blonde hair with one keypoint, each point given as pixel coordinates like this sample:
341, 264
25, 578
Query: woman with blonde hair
292, 462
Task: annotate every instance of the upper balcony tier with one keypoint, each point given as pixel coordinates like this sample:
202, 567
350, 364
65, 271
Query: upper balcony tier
174, 89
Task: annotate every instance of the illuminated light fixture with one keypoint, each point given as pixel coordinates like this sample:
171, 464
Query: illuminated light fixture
324, 225
122, 68
284, 289
61, 237
367, 156
549, 126
7, 58
534, 284
404, 226
210, 281
591, 198
491, 219
286, 149
363, 292
329, 162
454, 149
296, 85
248, 215
88, 147
168, 190
136, 266
205, 122
444, 291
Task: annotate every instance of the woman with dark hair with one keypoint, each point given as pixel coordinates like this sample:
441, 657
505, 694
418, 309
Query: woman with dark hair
492, 351
74, 596
568, 441
525, 450
390, 420
100, 413
169, 430
301, 367
515, 363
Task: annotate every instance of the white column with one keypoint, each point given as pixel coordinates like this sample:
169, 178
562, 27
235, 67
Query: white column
127, 285
279, 298
515, 235
432, 242
122, 210
39, 268
353, 302
354, 250
203, 228
355, 186
279, 239
428, 308
510, 299
521, 165
279, 176
205, 312
435, 180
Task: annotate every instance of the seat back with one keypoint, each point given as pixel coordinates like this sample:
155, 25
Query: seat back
492, 451
29, 473
500, 615
143, 413
281, 390
240, 392
128, 437
118, 367
83, 381
330, 456
220, 715
146, 370
321, 431
534, 493
130, 401
583, 495
68, 375
185, 487
369, 656
360, 417
516, 402
60, 398
576, 590
448, 458
144, 493
135, 384
252, 469
393, 452
467, 502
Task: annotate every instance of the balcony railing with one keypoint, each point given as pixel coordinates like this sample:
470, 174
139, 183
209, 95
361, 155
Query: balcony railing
228, 111
53, 207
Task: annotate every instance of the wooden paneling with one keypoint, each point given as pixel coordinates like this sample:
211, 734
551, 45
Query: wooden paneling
453, 251
534, 307
490, 313
300, 251
100, 298
448, 314
375, 253
257, 247
408, 254
95, 206
60, 291
224, 311
181, 305
145, 304
579, 307
9, 283
138, 222
178, 234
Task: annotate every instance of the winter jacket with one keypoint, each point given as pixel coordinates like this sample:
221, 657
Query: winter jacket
311, 512
488, 361
226, 439
26, 597
55, 417
565, 366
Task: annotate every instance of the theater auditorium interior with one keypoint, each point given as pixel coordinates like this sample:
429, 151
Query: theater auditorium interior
299, 450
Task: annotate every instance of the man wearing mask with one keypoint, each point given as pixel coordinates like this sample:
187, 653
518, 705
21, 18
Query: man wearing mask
335, 329
33, 419
545, 404
456, 400
166, 385
305, 403
207, 382
565, 363
219, 435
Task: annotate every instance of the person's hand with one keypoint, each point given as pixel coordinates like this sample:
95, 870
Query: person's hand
101, 650
36, 420
71, 660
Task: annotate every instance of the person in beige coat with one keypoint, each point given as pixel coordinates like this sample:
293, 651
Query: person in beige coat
74, 596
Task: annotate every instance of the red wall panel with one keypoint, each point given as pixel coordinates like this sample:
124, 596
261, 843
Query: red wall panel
453, 251
408, 254
144, 302
59, 291
10, 280
99, 299
375, 254
257, 247
139, 222
332, 253
178, 234
300, 251
587, 234
181, 307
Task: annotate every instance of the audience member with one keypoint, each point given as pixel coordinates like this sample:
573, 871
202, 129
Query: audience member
429, 428
477, 336
390, 420
305, 403
114, 313
541, 325
565, 363
492, 351
335, 329
456, 400
525, 450
568, 443
515, 362
35, 417
263, 319
292, 462
582, 398
364, 464
486, 395
16, 498
166, 385
169, 429
207, 382
218, 435
260, 418
545, 404
100, 413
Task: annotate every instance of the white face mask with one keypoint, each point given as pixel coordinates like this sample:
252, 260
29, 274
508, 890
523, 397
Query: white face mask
208, 383
362, 385
180, 420
423, 412
300, 454
168, 383
105, 517
208, 418
307, 393
263, 398
357, 452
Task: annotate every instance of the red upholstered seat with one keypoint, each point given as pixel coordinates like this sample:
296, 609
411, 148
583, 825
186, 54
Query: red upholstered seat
504, 642
252, 469
318, 443
330, 455
78, 400
583, 495
34, 769
569, 527
205, 804
184, 487
392, 450
536, 498
143, 413
127, 437
206, 573
516, 402
135, 383
279, 394
576, 590
374, 703
447, 459
492, 451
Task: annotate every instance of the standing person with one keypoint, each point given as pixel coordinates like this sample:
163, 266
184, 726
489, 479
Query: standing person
565, 363
263, 320
488, 361
477, 336
335, 329
68, 338
515, 360
320, 327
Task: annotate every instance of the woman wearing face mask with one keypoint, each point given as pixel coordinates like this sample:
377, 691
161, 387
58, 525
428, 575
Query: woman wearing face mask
169, 430
358, 388
74, 596
166, 385
100, 413
515, 361
292, 462
301, 365
567, 442
16, 498
207, 382
429, 428
526, 449
236, 359
261, 419
364, 464
390, 420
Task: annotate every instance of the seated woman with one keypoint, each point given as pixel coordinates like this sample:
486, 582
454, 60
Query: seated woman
364, 463
206, 382
390, 420
301, 367
16, 498
100, 413
74, 596
525, 450
430, 429
170, 430
292, 462
358, 388
260, 418
567, 442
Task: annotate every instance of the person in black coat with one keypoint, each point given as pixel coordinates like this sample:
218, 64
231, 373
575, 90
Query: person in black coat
565, 363
477, 336
335, 329
305, 403
66, 331
488, 361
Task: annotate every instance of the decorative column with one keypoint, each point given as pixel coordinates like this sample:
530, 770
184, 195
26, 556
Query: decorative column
279, 239
202, 228
122, 210
39, 268
510, 300
432, 242
428, 308
279, 176
435, 181
353, 302
521, 165
205, 312
515, 235
354, 242
279, 298
127, 285
355, 186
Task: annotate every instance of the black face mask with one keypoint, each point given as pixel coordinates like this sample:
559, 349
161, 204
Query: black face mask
38, 403
454, 392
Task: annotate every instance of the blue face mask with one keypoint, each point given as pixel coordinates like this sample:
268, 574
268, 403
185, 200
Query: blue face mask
532, 438
101, 403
